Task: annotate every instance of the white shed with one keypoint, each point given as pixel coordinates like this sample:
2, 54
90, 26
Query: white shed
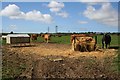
17, 38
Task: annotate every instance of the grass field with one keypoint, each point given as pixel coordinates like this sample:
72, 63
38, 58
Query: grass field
66, 40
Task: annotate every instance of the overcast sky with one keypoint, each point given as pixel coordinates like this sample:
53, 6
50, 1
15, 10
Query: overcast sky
68, 16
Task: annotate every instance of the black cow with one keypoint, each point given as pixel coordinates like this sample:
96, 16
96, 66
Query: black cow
106, 40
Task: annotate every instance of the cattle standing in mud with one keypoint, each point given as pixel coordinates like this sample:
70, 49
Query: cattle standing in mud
106, 40
46, 37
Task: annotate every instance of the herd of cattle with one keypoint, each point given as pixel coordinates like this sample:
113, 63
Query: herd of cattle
45, 36
106, 39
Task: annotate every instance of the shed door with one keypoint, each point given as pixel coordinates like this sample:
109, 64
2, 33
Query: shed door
15, 40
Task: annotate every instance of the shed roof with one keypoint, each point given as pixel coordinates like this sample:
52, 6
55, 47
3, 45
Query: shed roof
18, 35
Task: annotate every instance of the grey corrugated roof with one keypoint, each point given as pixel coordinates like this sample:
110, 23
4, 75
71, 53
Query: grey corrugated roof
18, 35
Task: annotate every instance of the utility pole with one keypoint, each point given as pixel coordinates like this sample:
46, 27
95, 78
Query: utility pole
68, 31
2, 31
56, 28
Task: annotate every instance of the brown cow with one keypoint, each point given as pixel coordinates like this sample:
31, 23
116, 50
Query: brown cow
34, 36
46, 37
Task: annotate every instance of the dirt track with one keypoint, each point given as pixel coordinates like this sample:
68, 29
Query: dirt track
59, 61
44, 49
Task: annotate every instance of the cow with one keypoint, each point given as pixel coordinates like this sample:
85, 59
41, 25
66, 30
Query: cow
106, 39
34, 36
58, 35
46, 37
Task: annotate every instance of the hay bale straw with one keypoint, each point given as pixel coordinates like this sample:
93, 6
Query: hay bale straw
83, 44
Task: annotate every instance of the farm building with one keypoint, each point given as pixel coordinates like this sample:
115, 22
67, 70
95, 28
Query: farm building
17, 38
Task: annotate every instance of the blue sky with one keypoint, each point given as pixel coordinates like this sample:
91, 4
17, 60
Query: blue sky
68, 16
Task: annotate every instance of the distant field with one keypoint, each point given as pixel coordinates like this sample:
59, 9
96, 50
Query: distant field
66, 40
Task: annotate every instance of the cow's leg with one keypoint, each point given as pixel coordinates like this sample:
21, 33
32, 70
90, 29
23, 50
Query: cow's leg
109, 44
47, 40
106, 45
103, 45
35, 38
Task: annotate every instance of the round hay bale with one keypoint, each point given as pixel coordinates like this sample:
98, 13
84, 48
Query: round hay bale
91, 45
83, 44
73, 46
87, 44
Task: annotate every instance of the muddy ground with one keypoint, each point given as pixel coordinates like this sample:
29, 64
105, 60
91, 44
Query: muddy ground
50, 60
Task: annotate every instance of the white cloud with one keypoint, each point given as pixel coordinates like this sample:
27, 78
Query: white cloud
82, 22
37, 16
13, 11
53, 4
105, 15
56, 7
63, 14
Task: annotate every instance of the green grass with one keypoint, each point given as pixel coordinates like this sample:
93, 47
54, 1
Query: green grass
2, 42
61, 40
116, 62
